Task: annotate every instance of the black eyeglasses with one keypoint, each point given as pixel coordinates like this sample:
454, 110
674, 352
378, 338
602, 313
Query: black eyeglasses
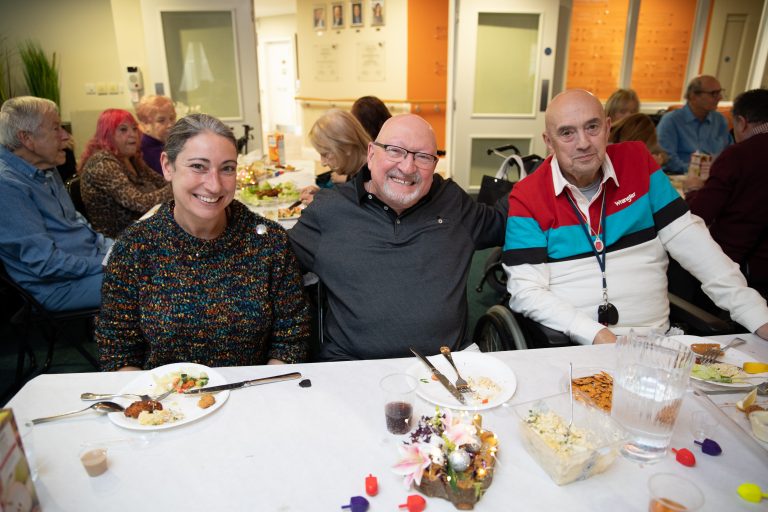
398, 154
714, 94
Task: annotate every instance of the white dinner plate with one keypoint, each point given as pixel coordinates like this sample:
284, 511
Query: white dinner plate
471, 365
732, 356
144, 384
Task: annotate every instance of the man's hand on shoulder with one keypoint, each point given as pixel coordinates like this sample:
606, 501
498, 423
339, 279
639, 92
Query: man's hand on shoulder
606, 336
762, 331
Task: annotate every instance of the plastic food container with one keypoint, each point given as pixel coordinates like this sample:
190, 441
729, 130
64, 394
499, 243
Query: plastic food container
598, 393
592, 445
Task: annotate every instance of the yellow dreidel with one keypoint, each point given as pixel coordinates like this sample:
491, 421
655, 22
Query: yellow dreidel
756, 367
751, 492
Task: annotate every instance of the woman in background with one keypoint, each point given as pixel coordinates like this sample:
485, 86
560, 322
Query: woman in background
343, 146
622, 103
639, 127
116, 185
156, 115
371, 112
203, 280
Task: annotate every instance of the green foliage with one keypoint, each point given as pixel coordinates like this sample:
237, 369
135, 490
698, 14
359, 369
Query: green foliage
6, 89
40, 73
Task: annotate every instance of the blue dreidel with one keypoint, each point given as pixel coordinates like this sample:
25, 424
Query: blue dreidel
357, 504
710, 447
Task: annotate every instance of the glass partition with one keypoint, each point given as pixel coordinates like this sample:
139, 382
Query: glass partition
202, 61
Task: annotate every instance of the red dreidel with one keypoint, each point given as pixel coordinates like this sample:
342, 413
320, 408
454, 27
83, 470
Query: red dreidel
414, 503
685, 457
710, 447
357, 504
371, 485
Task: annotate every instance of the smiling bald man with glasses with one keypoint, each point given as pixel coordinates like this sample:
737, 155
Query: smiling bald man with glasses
393, 248
698, 126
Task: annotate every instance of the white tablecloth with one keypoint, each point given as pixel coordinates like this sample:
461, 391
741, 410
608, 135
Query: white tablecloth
281, 447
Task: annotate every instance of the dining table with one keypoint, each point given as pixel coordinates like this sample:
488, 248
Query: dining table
286, 447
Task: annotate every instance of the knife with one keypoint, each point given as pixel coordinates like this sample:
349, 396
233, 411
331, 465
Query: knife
440, 377
244, 384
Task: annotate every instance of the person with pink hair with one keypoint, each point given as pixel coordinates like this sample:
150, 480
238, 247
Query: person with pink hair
116, 185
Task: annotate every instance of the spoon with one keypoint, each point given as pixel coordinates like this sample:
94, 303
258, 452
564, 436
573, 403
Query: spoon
102, 407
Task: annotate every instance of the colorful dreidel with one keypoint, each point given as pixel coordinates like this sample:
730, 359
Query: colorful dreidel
751, 492
685, 457
414, 503
371, 485
710, 447
357, 504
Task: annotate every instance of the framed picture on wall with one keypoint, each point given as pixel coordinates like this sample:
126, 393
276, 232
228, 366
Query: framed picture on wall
318, 17
377, 13
357, 14
337, 11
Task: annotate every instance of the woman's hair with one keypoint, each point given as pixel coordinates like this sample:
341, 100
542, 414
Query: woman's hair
149, 106
636, 127
338, 132
619, 99
371, 112
22, 114
191, 126
104, 138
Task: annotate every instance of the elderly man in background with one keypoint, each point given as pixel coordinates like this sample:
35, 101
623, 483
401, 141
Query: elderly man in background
588, 235
697, 127
393, 248
733, 201
156, 116
46, 245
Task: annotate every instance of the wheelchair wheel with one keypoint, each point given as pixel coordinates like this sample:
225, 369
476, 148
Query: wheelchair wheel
498, 330
494, 273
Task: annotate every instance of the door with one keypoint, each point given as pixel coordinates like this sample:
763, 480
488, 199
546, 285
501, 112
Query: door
501, 82
202, 53
279, 85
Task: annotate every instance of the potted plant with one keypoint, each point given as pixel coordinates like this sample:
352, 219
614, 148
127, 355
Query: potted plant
40, 73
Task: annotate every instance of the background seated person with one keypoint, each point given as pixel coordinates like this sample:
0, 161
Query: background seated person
372, 113
698, 126
638, 127
732, 201
156, 115
622, 103
204, 280
393, 248
588, 235
116, 185
47, 247
342, 143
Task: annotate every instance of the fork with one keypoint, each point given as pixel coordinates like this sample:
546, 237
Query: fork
461, 384
101, 396
711, 355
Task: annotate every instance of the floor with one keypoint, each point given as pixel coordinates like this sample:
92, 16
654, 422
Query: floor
67, 360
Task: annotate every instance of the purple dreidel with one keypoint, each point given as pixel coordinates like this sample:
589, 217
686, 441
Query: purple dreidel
357, 504
710, 447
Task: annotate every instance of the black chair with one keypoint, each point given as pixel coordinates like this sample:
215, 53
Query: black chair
73, 188
51, 325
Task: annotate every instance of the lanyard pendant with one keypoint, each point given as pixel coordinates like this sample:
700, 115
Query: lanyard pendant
598, 244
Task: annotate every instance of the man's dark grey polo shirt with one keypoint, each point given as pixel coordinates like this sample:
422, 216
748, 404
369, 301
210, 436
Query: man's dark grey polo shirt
394, 281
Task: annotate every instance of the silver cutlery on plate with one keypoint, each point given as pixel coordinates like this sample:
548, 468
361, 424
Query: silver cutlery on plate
102, 407
102, 396
461, 384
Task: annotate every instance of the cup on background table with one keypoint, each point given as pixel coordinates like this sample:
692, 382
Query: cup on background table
672, 493
703, 425
649, 385
398, 390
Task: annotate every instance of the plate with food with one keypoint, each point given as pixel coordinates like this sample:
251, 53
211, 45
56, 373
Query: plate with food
289, 213
175, 410
727, 371
491, 380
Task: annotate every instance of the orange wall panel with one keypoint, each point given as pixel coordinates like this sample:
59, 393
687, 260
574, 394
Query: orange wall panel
428, 62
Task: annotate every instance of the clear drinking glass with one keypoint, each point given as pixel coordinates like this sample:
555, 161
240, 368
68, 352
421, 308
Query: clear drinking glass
398, 390
672, 493
651, 379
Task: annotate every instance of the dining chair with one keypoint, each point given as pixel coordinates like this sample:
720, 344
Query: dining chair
52, 326
73, 188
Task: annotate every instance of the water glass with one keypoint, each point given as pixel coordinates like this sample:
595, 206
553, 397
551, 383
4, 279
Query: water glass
650, 382
399, 392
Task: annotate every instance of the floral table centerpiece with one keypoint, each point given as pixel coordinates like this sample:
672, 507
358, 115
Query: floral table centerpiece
449, 456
